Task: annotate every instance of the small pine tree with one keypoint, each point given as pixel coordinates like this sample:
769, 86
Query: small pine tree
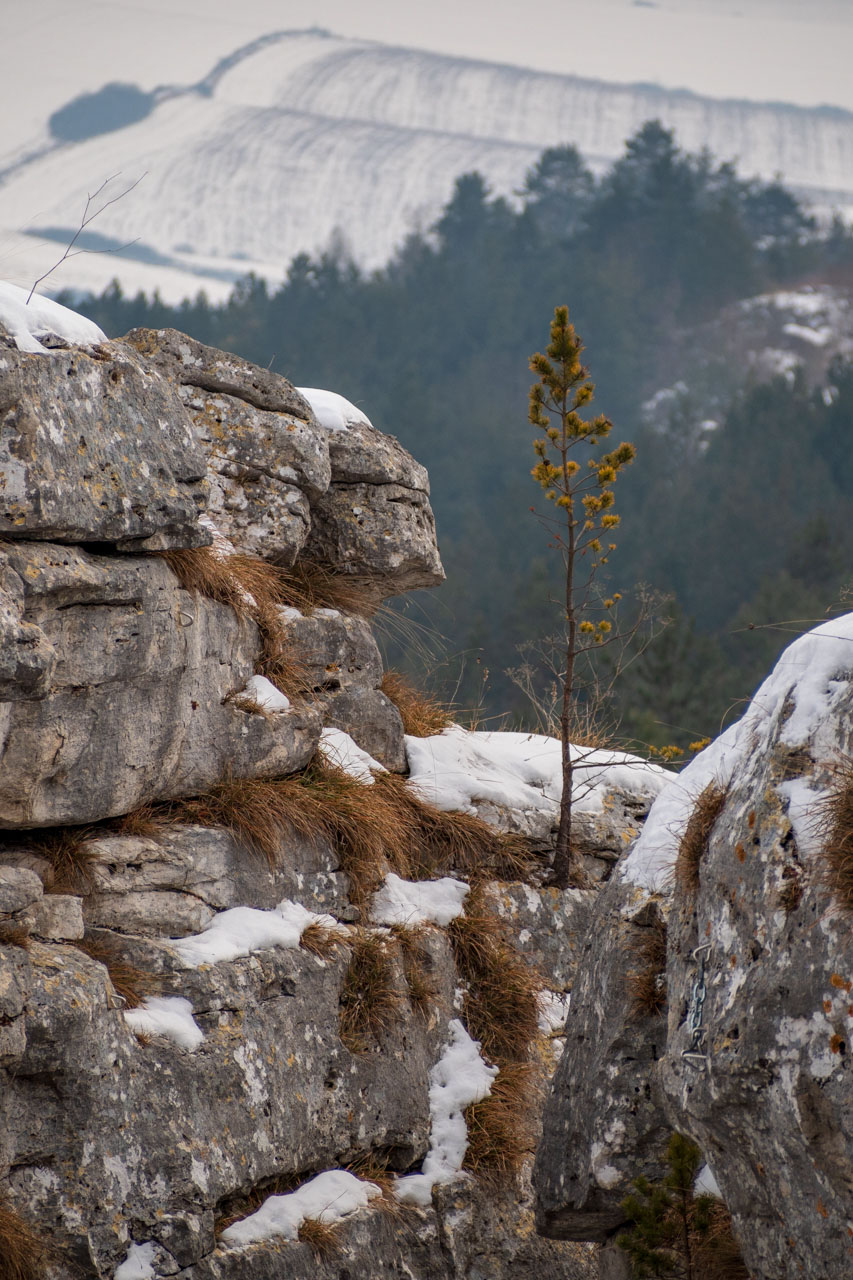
583, 497
674, 1233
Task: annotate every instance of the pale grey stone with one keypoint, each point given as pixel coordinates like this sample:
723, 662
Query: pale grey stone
19, 888
96, 447
58, 917
547, 926
137, 709
27, 659
341, 661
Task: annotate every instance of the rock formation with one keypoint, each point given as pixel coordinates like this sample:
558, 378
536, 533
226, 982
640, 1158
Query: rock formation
200, 1018
739, 1036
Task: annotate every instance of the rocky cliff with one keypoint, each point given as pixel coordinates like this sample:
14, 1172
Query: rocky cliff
712, 995
268, 1005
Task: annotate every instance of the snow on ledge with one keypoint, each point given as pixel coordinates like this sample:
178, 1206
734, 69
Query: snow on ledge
340, 749
139, 1263
456, 768
813, 674
329, 1197
242, 930
263, 692
413, 902
459, 1078
29, 321
169, 1016
332, 411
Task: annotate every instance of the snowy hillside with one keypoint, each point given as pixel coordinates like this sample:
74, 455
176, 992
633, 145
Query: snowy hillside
300, 136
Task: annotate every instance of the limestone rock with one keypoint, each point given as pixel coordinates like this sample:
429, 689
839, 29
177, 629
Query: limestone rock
96, 448
341, 661
173, 884
602, 1125
375, 522
136, 710
547, 925
267, 458
765, 1089
19, 888
383, 535
27, 659
57, 917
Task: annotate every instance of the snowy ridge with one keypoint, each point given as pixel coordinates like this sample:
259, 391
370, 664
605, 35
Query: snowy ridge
301, 134
813, 673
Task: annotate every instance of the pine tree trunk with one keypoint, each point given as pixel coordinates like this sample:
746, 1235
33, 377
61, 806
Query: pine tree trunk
567, 869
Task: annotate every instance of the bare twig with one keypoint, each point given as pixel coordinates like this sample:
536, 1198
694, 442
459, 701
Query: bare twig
84, 223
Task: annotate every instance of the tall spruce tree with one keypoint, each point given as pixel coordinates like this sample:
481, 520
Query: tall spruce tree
583, 498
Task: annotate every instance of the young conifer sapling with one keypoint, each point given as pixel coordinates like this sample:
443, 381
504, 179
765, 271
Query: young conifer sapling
582, 527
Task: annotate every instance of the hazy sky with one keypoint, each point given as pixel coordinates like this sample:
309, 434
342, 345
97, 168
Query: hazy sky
787, 50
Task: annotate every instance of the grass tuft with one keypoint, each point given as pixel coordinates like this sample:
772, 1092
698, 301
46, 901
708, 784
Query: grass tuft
370, 1001
323, 1238
323, 941
131, 983
254, 589
71, 856
422, 714
502, 1000
23, 1254
647, 983
694, 842
417, 967
836, 818
501, 1130
13, 934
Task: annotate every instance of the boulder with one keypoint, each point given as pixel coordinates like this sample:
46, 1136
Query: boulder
267, 458
375, 523
137, 707
751, 1057
174, 884
341, 661
96, 447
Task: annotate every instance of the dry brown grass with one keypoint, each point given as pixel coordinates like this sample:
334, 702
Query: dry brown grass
422, 714
373, 829
502, 1001
71, 856
370, 1001
716, 1252
417, 967
836, 820
254, 589
311, 586
131, 983
23, 1254
647, 982
694, 842
323, 1238
148, 822
323, 941
438, 842
501, 1128
13, 934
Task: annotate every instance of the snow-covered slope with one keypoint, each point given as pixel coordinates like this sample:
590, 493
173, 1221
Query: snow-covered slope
302, 134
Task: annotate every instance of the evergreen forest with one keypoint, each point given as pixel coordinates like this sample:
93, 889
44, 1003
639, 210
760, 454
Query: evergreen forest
735, 513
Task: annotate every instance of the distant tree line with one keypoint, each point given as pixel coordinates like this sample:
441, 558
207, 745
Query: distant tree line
743, 526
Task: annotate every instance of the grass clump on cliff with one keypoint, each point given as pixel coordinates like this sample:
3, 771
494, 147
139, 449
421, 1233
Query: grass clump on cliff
370, 999
501, 1132
131, 983
647, 982
694, 841
422, 714
23, 1254
323, 1238
836, 817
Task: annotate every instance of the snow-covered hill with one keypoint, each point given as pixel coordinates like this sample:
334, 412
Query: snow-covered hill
302, 135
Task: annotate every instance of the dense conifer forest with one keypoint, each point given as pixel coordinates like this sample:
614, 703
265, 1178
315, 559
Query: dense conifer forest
737, 506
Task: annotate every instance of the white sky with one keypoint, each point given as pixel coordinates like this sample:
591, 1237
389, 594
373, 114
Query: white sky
797, 51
